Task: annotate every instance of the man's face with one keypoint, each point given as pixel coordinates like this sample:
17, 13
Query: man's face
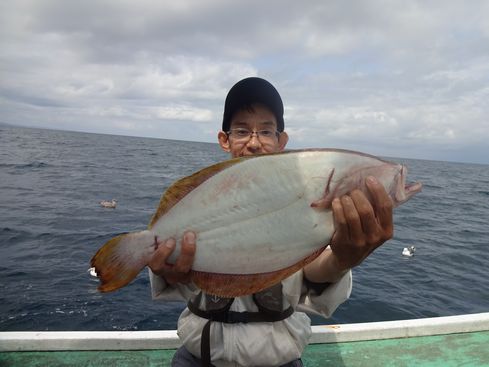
258, 119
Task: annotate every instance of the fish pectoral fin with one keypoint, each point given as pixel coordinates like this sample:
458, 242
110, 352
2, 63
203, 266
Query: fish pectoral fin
322, 203
327, 199
121, 259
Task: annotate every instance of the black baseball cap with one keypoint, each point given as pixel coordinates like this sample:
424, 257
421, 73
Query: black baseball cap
253, 90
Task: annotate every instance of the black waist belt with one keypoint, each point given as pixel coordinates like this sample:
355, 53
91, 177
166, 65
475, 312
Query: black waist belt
231, 317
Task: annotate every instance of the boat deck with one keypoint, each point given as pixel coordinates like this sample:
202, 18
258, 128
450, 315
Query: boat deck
445, 341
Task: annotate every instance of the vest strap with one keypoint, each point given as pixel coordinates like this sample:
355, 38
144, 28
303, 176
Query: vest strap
233, 317
230, 317
205, 346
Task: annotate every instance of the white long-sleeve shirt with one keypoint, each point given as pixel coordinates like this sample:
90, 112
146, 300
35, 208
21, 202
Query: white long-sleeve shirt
255, 344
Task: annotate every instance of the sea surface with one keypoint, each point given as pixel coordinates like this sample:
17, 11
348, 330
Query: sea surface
51, 224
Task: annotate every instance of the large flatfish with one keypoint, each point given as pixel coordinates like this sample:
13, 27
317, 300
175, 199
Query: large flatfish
257, 219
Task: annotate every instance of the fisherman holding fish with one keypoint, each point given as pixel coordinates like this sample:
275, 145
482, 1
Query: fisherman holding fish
268, 328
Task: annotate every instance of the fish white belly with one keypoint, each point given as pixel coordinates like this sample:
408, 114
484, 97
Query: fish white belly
261, 218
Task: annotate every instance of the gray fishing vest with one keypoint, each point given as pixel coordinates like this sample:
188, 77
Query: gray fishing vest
216, 309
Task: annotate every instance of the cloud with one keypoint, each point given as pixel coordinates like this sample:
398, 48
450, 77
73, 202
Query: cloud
393, 77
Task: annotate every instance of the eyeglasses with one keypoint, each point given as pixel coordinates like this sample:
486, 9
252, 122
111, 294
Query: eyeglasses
241, 134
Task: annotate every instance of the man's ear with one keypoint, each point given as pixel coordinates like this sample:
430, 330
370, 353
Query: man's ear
283, 138
223, 139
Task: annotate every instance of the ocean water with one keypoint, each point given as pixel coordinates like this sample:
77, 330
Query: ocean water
51, 224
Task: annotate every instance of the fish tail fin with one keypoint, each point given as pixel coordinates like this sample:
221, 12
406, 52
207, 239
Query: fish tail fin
121, 258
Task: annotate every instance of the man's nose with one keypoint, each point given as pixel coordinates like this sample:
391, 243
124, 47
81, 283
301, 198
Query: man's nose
254, 143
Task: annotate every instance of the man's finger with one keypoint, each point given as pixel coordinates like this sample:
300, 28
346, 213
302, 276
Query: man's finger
370, 225
382, 205
163, 251
187, 253
353, 220
340, 225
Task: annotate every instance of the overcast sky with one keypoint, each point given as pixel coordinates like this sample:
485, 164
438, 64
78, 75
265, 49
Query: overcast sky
392, 78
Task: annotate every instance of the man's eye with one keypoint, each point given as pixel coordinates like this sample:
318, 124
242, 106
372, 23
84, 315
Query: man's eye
242, 132
266, 133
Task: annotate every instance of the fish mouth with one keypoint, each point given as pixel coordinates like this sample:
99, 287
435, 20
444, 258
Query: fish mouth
413, 188
405, 190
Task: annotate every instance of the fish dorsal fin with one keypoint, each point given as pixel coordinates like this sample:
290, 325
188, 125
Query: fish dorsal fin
184, 186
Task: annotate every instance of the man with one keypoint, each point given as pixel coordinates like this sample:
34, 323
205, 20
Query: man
266, 329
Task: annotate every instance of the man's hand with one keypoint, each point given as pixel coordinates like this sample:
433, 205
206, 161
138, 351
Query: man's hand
361, 225
180, 271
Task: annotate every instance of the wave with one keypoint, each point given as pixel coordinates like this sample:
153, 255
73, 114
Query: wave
33, 164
